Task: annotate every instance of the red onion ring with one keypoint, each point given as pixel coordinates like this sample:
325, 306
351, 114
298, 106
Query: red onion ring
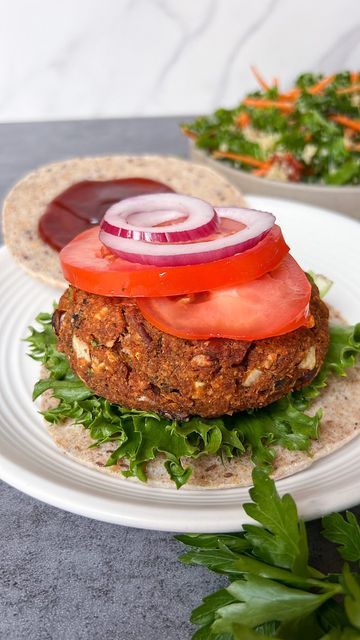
257, 225
145, 217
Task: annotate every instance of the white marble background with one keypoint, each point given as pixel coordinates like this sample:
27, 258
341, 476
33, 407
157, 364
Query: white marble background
64, 59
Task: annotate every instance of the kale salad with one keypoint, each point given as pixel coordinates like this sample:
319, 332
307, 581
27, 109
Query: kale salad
310, 133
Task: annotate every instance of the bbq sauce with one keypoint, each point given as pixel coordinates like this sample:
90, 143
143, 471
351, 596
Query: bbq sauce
84, 204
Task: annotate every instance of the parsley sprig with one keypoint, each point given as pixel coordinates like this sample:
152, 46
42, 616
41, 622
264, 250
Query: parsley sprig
272, 590
140, 436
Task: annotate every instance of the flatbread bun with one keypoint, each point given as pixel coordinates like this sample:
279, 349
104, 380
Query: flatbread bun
339, 425
28, 199
22, 209
339, 400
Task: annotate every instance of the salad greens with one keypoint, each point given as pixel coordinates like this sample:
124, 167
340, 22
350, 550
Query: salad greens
139, 436
273, 592
309, 134
323, 283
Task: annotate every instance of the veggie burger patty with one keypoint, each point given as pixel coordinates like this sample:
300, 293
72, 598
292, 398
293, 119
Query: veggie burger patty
122, 357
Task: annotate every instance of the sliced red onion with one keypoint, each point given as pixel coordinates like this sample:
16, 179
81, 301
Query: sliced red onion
148, 218
221, 245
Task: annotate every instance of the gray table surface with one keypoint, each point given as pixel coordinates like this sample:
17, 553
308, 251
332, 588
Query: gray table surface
63, 576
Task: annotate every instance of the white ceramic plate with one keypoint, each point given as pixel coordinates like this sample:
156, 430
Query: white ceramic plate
344, 198
323, 241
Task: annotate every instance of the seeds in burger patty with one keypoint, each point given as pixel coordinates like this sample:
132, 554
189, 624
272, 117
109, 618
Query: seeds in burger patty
123, 358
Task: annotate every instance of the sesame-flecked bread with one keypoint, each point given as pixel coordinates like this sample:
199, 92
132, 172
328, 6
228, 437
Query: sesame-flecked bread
28, 199
339, 425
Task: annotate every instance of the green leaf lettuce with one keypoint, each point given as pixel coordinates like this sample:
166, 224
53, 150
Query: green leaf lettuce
140, 436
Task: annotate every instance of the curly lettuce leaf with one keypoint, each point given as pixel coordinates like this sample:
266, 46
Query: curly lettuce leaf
141, 436
343, 351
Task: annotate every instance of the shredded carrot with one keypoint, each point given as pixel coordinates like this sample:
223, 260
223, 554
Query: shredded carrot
346, 122
262, 103
240, 158
189, 134
264, 85
262, 171
322, 84
293, 94
352, 89
243, 120
354, 77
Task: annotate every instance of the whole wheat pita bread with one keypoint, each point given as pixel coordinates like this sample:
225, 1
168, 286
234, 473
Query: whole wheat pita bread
28, 199
339, 400
24, 205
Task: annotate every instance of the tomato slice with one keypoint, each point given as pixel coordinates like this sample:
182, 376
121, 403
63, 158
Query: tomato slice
272, 305
89, 266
